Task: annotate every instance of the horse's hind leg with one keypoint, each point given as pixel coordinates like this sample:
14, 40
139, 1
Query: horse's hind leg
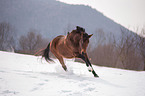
62, 63
59, 57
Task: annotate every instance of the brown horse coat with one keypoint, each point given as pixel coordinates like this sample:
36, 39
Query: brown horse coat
73, 45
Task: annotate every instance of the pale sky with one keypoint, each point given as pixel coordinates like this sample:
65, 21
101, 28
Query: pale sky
129, 13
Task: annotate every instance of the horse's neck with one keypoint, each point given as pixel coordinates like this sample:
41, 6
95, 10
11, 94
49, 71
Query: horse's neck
66, 40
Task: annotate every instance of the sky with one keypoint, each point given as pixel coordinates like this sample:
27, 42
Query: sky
129, 13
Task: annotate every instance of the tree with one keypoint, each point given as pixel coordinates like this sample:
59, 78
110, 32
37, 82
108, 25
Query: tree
104, 52
31, 42
127, 54
100, 37
6, 36
141, 45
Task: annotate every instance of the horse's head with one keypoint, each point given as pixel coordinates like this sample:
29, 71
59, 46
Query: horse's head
85, 43
79, 34
76, 35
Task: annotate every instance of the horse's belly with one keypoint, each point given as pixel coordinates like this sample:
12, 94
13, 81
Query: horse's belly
66, 54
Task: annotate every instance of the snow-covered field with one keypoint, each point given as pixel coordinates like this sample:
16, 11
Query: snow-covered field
25, 75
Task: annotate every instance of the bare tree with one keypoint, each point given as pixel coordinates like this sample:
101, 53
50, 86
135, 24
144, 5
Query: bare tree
141, 45
31, 42
104, 52
6, 36
126, 50
100, 37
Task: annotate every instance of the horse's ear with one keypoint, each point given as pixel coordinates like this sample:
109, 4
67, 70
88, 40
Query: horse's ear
90, 35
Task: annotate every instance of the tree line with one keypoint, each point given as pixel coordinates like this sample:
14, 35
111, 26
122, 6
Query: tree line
26, 44
127, 51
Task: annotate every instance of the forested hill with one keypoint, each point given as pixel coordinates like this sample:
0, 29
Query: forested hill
51, 18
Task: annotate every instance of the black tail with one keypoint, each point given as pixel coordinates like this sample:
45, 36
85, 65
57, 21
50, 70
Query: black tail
46, 54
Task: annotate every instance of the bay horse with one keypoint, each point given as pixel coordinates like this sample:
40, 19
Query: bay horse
73, 45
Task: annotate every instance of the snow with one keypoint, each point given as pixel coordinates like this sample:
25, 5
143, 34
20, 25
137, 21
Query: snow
26, 75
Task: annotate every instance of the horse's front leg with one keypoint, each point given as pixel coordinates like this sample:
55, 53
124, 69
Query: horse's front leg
84, 57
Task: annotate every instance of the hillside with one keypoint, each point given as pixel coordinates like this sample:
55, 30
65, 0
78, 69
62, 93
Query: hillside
51, 18
25, 75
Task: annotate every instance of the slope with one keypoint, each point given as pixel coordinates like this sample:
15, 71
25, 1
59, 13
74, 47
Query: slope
51, 17
25, 75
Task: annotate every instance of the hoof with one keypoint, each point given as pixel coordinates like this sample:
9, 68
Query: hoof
65, 68
95, 75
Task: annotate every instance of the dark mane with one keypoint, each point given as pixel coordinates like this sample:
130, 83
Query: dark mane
80, 29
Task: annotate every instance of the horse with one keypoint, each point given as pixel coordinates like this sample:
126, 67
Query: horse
73, 45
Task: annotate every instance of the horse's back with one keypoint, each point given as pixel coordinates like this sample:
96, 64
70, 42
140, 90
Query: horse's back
57, 40
59, 47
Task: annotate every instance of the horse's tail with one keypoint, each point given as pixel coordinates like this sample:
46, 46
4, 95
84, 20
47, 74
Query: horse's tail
46, 53
38, 53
